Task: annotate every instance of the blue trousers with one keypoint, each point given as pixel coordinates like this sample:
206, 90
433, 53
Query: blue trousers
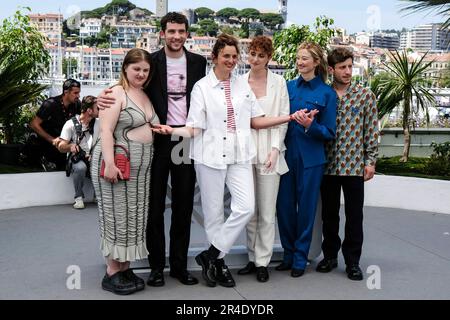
296, 207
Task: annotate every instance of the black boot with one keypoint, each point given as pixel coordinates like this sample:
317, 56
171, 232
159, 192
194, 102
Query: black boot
283, 266
118, 284
354, 272
223, 274
326, 265
208, 268
262, 274
156, 278
249, 268
130, 275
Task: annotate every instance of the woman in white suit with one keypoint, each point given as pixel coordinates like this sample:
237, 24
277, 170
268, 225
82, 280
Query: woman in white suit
271, 91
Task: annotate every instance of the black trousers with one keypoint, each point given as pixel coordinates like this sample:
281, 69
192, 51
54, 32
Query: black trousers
52, 154
353, 188
167, 157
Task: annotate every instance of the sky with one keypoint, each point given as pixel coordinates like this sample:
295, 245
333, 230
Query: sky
352, 15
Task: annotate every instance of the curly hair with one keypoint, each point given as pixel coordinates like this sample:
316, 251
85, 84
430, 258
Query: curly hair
339, 55
262, 43
174, 17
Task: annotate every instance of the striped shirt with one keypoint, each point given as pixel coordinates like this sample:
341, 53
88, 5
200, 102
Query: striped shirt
231, 123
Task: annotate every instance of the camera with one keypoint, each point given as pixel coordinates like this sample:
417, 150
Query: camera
80, 155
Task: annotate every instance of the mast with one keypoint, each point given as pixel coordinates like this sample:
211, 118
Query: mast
110, 64
60, 70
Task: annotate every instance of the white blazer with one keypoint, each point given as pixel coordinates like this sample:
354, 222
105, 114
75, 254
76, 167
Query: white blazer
276, 103
208, 111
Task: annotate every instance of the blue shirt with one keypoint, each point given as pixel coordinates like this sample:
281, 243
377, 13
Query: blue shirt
313, 94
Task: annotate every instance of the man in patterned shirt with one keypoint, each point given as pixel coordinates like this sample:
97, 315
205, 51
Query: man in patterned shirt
351, 162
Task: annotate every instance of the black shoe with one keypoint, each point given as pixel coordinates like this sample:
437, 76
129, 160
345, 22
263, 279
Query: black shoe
208, 268
184, 277
130, 275
118, 284
262, 275
156, 278
354, 272
249, 268
283, 266
326, 265
295, 273
223, 274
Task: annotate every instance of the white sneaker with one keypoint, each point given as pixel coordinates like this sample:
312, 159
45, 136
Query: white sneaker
79, 204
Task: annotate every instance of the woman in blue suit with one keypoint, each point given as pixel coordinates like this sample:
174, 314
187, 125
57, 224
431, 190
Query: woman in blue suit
305, 155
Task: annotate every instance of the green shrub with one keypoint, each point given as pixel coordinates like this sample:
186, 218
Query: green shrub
393, 166
439, 163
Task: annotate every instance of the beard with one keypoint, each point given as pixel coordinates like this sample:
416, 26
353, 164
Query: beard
172, 49
342, 80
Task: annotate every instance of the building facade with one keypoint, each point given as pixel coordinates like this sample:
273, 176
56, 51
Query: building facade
440, 66
90, 27
149, 42
101, 64
49, 24
127, 33
427, 37
362, 38
389, 41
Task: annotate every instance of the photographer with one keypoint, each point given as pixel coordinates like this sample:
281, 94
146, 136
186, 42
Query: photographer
76, 139
50, 119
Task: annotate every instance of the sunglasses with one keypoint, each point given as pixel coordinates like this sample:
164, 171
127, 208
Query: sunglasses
71, 83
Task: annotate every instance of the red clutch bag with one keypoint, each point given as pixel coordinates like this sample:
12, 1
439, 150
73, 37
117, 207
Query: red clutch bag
122, 162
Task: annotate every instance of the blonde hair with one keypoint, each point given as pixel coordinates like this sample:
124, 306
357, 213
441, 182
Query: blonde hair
318, 55
134, 56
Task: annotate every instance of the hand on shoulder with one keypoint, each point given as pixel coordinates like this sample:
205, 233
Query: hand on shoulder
108, 97
111, 97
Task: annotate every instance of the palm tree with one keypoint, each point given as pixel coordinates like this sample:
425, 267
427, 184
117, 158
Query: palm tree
14, 90
404, 81
442, 6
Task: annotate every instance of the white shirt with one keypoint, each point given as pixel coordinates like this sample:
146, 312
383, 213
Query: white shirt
69, 133
215, 146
